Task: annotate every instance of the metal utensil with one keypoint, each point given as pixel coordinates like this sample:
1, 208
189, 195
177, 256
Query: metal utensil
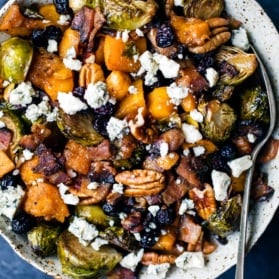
239, 273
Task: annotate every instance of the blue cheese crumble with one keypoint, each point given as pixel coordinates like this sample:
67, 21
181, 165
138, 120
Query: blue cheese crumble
188, 260
117, 128
221, 182
22, 94
69, 103
10, 200
239, 165
158, 271
132, 260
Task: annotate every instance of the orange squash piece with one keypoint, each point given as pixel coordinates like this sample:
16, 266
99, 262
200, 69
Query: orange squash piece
120, 56
6, 164
77, 157
49, 73
43, 200
132, 102
159, 103
48, 11
70, 38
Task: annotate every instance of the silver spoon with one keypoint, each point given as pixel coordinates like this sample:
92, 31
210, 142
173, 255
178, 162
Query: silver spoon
239, 273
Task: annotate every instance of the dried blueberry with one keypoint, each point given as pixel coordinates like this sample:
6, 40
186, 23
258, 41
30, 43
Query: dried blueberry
148, 238
40, 37
228, 151
204, 61
10, 180
111, 209
79, 92
62, 6
165, 36
22, 223
108, 109
100, 124
165, 216
219, 163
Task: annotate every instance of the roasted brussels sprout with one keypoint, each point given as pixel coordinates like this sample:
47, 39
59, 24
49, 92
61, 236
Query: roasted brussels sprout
42, 239
203, 9
15, 56
119, 237
81, 261
219, 120
94, 214
15, 124
223, 92
235, 65
226, 219
254, 105
125, 15
79, 127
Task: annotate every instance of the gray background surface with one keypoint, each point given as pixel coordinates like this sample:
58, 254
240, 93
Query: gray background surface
261, 263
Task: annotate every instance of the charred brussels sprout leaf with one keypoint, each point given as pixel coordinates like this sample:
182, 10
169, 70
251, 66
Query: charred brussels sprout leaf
94, 214
119, 237
235, 65
78, 127
43, 239
15, 56
203, 9
219, 120
81, 261
226, 219
126, 15
254, 105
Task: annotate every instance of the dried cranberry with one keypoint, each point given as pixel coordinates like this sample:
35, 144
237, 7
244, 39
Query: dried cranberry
62, 6
40, 37
22, 223
165, 36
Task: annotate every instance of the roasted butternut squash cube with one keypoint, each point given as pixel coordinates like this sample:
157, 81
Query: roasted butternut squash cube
6, 164
70, 38
44, 200
77, 157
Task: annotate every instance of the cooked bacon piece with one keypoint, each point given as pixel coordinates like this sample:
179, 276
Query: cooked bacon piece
189, 231
191, 78
176, 189
84, 22
186, 171
100, 152
261, 191
48, 162
5, 139
133, 222
121, 273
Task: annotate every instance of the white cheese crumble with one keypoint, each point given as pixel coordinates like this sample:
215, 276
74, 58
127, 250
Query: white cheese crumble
10, 200
22, 94
198, 150
189, 260
153, 209
96, 95
221, 182
177, 93
164, 149
72, 63
191, 133
98, 242
84, 231
125, 36
33, 111
137, 236
139, 32
93, 185
117, 128
69, 103
239, 165
64, 19
68, 198
132, 260
212, 76
240, 39
1, 113
27, 154
251, 137
179, 3
158, 271
52, 46
117, 188
168, 67
2, 124
132, 89
185, 205
196, 115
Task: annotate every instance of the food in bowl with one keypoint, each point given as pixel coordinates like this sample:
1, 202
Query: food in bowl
126, 138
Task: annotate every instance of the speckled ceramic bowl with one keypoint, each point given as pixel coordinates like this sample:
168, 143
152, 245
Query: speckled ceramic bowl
266, 39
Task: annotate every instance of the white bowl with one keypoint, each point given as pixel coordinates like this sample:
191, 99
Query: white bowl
265, 38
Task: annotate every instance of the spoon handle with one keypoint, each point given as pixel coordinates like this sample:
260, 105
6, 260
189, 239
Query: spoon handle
239, 273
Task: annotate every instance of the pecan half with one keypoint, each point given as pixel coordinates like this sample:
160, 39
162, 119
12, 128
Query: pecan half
141, 182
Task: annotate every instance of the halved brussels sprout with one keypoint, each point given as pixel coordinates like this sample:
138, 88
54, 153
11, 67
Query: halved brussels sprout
78, 127
94, 214
226, 219
219, 120
119, 237
235, 65
254, 104
203, 9
43, 239
81, 261
125, 15
15, 57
